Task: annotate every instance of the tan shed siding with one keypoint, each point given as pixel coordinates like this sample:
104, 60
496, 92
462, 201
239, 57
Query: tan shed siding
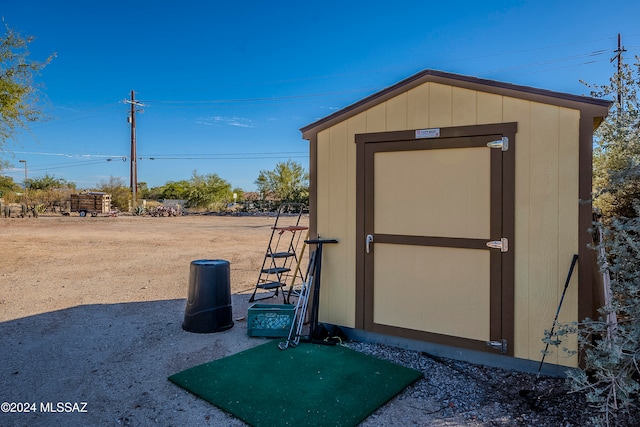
337, 228
544, 222
489, 108
323, 179
546, 234
336, 202
546, 231
356, 124
397, 113
518, 110
440, 105
552, 225
334, 219
568, 206
464, 107
377, 118
418, 107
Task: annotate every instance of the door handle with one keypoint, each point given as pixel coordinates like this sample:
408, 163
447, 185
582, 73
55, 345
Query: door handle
369, 241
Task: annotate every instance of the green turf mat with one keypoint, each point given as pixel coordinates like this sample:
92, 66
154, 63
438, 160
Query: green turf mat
307, 385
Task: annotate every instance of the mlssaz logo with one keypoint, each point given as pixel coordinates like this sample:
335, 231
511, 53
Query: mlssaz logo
63, 406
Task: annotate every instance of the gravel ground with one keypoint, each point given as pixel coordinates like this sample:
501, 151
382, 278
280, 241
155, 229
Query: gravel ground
454, 393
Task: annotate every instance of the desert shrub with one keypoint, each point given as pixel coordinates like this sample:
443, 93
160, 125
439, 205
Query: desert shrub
209, 192
611, 344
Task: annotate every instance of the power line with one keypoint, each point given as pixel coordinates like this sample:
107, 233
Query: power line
44, 168
302, 96
279, 153
223, 158
259, 99
516, 52
195, 155
90, 110
72, 117
94, 159
185, 103
552, 61
554, 68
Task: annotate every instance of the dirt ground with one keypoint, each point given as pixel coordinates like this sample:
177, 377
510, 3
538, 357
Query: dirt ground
74, 261
91, 312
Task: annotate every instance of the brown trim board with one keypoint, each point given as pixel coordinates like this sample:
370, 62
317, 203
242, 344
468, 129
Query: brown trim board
360, 234
443, 242
509, 231
431, 337
586, 299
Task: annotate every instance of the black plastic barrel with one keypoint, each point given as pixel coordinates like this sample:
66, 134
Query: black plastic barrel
209, 300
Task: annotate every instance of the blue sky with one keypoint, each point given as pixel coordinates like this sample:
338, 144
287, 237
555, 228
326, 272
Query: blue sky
227, 85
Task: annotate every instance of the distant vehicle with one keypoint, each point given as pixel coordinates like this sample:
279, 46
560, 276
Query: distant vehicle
92, 203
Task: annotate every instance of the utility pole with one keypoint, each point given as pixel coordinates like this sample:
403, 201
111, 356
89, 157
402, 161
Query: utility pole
618, 53
133, 181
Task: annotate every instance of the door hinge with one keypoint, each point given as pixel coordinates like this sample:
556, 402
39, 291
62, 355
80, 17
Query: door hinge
502, 244
499, 345
503, 143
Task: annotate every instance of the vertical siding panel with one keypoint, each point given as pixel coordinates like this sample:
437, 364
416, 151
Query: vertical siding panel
440, 104
543, 257
333, 307
356, 124
568, 202
323, 180
489, 109
418, 107
517, 110
463, 107
397, 113
377, 118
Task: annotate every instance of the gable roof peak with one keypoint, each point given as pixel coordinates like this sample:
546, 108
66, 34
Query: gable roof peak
463, 81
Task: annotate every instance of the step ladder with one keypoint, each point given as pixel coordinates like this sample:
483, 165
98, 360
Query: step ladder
281, 264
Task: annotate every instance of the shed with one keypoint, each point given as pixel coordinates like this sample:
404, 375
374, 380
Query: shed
458, 203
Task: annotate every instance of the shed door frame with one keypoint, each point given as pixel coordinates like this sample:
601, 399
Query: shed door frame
364, 301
